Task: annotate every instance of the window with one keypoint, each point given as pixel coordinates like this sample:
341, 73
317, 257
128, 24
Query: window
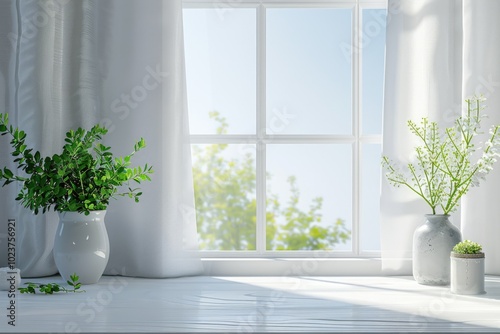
285, 106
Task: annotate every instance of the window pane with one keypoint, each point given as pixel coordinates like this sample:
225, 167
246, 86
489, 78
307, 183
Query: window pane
370, 197
309, 190
373, 52
221, 68
224, 184
308, 71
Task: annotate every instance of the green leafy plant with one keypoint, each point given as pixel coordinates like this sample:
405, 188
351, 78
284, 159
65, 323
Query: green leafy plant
445, 169
82, 178
467, 247
50, 288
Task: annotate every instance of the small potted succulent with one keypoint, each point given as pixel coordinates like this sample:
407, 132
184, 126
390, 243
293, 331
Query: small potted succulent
78, 183
467, 268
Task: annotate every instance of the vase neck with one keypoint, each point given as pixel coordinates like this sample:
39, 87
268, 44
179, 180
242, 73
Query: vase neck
72, 216
437, 218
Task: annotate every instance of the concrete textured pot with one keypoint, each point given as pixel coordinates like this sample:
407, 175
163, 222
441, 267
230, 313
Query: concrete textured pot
467, 273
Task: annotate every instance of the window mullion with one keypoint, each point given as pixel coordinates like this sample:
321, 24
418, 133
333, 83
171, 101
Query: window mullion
356, 105
261, 131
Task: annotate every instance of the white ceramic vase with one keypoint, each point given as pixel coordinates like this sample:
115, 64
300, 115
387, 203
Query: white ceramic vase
467, 274
432, 244
81, 246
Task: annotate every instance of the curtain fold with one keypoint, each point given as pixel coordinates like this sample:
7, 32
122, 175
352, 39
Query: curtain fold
118, 63
481, 73
438, 53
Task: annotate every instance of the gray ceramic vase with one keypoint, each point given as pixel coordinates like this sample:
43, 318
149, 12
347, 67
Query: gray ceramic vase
432, 245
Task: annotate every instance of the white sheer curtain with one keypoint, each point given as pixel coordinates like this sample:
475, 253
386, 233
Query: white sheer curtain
438, 53
120, 63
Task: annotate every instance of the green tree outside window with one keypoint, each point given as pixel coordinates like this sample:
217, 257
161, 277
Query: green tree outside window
226, 206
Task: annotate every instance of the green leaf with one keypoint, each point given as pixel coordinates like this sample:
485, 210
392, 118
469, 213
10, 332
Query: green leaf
7, 172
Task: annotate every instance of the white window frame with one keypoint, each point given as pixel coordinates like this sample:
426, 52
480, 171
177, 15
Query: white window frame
262, 261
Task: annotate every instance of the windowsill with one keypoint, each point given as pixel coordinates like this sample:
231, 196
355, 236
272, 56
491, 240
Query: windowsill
292, 266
